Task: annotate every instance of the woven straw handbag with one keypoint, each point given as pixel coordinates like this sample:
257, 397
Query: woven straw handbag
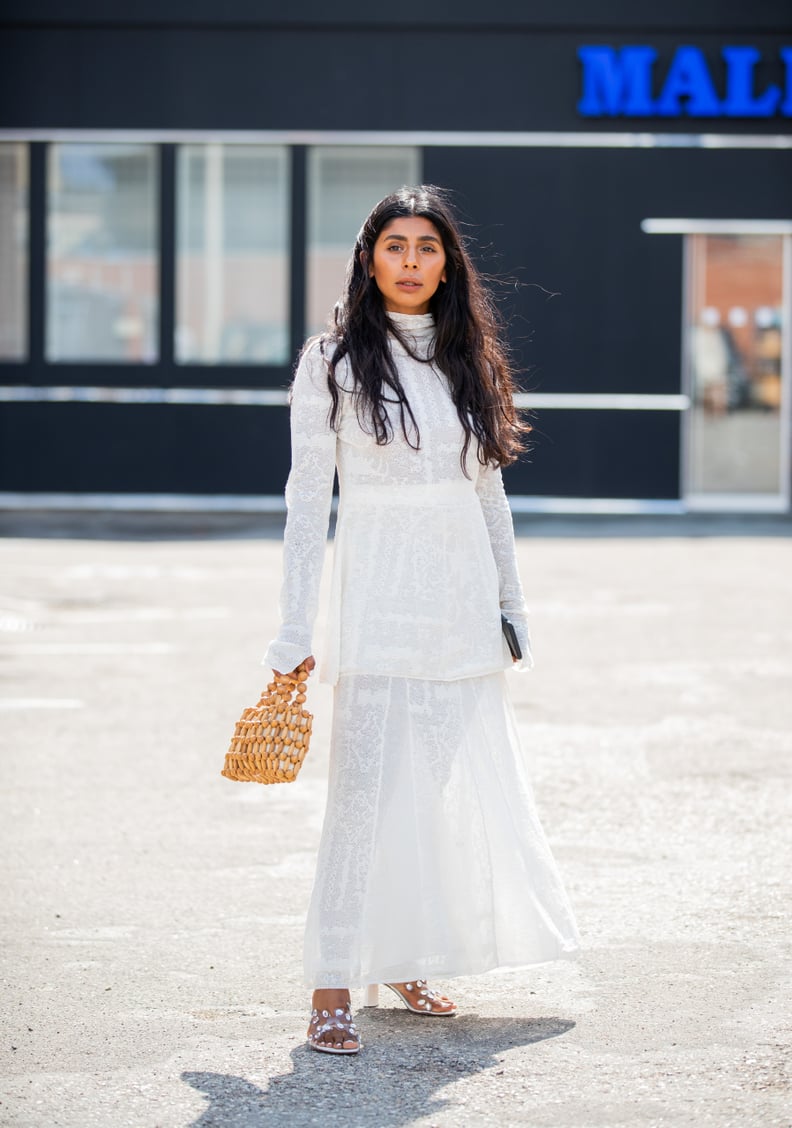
271, 739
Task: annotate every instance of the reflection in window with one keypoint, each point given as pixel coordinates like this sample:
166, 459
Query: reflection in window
734, 332
343, 187
102, 263
13, 251
233, 254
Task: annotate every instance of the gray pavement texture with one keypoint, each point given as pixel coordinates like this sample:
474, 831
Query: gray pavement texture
152, 911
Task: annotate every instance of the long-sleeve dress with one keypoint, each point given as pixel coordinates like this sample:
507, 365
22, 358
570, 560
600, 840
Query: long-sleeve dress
432, 860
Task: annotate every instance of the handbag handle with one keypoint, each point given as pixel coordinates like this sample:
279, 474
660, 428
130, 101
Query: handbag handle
284, 685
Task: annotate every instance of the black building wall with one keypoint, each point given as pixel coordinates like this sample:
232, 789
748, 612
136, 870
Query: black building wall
597, 304
249, 64
599, 308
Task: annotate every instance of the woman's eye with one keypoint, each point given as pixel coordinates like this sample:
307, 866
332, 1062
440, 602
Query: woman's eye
395, 247
428, 247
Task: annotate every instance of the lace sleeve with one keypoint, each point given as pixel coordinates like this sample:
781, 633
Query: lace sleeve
498, 518
309, 493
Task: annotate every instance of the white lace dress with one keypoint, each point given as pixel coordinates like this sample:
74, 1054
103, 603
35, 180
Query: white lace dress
432, 860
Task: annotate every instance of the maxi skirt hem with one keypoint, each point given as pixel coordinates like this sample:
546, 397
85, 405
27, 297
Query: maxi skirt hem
432, 860
434, 971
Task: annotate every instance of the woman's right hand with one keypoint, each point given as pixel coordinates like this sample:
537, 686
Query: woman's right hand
309, 663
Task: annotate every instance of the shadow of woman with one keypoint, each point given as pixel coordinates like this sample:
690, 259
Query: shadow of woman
395, 1080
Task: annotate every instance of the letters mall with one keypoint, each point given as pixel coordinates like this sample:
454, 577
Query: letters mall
617, 82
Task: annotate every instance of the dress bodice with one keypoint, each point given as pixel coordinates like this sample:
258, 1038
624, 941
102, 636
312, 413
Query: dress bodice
430, 450
424, 554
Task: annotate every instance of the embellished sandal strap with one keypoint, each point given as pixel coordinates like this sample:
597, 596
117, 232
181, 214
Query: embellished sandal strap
340, 1020
430, 995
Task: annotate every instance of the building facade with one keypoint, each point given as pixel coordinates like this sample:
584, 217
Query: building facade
180, 185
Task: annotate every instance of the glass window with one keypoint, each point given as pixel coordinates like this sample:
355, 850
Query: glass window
735, 329
343, 186
13, 251
102, 263
232, 246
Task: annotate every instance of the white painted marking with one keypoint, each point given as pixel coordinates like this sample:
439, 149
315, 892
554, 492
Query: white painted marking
142, 615
23, 606
15, 623
113, 648
140, 572
7, 703
609, 610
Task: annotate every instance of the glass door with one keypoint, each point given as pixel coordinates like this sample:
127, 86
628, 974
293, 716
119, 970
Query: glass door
736, 350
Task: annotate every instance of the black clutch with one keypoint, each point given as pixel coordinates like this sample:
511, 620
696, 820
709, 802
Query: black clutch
511, 638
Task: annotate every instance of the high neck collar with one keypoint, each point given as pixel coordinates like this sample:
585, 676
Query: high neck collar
420, 326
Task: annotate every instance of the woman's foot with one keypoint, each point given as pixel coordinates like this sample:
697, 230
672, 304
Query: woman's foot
418, 997
331, 1029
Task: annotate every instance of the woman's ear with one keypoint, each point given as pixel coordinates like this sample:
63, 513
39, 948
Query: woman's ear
364, 263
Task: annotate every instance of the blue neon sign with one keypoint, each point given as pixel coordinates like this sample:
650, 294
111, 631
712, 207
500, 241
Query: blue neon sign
617, 82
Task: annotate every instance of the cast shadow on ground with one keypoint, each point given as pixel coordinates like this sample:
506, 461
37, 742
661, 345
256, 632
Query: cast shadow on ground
394, 1081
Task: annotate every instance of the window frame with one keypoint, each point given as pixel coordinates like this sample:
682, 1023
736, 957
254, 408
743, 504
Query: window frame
23, 157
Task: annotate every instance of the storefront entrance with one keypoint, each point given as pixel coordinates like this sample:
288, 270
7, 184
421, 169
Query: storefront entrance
736, 351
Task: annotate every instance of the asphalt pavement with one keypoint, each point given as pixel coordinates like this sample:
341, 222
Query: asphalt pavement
152, 911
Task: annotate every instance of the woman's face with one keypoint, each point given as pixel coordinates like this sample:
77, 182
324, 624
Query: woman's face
408, 264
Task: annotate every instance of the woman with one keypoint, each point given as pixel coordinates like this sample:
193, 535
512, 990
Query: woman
432, 860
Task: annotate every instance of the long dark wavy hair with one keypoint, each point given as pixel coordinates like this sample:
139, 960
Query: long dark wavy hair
468, 346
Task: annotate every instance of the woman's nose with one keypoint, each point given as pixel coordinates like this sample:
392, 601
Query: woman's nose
410, 259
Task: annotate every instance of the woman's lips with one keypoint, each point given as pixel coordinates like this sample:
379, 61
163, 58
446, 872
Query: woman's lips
409, 285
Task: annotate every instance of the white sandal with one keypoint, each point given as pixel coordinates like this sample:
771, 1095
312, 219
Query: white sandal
426, 1003
340, 1020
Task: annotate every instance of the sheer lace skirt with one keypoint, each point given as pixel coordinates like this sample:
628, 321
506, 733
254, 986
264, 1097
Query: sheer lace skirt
432, 860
